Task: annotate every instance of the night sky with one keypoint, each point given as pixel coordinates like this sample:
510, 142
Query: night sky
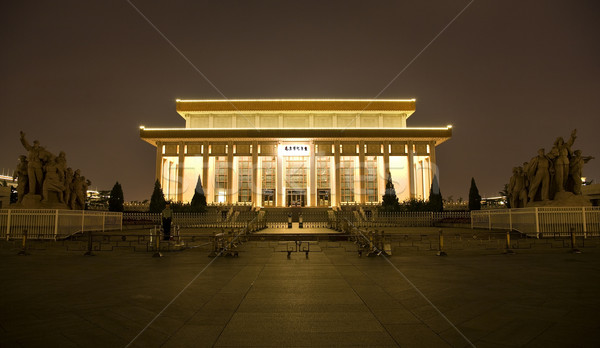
510, 76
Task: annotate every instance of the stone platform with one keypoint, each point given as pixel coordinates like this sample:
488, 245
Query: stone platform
296, 230
55, 297
31, 201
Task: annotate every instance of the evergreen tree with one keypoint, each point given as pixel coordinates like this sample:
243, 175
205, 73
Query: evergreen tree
115, 201
474, 197
389, 199
198, 203
14, 195
504, 193
157, 201
435, 196
413, 205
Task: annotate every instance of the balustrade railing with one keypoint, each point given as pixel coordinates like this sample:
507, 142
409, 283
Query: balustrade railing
541, 221
401, 219
209, 219
55, 224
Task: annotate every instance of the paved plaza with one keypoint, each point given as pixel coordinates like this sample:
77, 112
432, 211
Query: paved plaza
539, 297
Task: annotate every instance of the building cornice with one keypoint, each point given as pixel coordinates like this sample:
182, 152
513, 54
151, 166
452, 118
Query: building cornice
152, 135
296, 105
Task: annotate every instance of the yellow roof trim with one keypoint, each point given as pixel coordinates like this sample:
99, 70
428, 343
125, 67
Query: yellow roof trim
283, 105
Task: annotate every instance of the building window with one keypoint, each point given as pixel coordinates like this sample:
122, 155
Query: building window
269, 172
296, 172
269, 175
323, 172
221, 179
323, 181
371, 179
245, 179
347, 179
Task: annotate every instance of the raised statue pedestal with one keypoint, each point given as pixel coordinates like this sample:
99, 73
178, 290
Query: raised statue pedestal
564, 199
31, 201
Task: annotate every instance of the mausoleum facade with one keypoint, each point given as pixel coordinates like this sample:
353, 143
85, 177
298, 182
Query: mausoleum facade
309, 152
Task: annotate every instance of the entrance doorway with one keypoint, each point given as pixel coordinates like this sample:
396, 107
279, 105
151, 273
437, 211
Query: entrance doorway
323, 197
268, 197
296, 198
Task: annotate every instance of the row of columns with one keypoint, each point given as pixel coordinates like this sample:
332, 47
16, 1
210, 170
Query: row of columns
257, 196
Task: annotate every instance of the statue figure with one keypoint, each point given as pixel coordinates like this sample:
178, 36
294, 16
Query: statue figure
86, 185
539, 171
77, 191
560, 153
575, 170
516, 189
527, 178
61, 163
21, 174
525, 168
35, 165
53, 180
68, 184
550, 179
41, 172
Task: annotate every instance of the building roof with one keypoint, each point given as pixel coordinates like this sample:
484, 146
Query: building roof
284, 105
439, 135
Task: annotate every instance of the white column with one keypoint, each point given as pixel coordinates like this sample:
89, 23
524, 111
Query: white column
337, 177
386, 158
280, 194
361, 170
159, 147
312, 199
255, 195
411, 171
432, 162
230, 177
386, 164
180, 172
205, 181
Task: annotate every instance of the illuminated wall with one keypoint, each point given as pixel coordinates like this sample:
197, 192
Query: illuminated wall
246, 150
399, 171
192, 169
169, 177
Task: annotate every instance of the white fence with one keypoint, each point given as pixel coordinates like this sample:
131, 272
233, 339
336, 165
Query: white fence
55, 224
226, 218
548, 221
402, 219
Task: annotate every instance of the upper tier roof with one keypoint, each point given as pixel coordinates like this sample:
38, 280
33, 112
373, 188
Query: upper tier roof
308, 105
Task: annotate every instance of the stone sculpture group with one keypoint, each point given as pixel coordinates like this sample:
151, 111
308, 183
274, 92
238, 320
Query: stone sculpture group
549, 177
45, 181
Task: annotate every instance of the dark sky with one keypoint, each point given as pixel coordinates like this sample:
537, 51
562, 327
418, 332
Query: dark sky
510, 76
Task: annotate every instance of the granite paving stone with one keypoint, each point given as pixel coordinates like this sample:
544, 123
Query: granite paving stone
540, 297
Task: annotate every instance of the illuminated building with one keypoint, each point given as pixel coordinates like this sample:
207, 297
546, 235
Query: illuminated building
295, 152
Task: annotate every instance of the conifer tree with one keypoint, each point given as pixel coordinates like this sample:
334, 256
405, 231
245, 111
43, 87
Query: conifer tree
157, 201
390, 200
474, 197
14, 195
505, 194
115, 201
435, 196
198, 203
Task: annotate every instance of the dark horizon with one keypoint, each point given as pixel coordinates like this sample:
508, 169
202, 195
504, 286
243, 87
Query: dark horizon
510, 77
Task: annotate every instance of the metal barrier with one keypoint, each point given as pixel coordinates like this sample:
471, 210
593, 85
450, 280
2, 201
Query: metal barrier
54, 223
360, 218
226, 243
201, 220
369, 242
541, 221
